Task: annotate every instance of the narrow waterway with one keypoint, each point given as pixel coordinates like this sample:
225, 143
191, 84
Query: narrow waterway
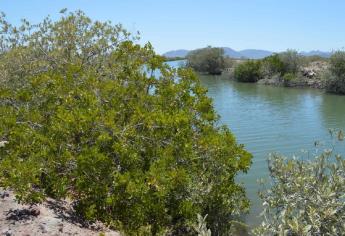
274, 120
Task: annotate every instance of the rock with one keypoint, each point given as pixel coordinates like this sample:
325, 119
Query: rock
4, 195
60, 226
309, 73
43, 228
3, 143
6, 232
34, 211
25, 233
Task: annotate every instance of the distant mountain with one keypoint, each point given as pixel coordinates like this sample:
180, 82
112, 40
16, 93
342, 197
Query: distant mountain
255, 53
176, 53
247, 53
316, 53
231, 53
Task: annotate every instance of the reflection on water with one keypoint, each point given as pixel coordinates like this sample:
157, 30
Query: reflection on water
273, 119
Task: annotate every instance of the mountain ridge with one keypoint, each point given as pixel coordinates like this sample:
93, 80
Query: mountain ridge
246, 53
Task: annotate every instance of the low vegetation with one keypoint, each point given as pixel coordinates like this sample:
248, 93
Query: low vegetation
276, 65
81, 119
272, 65
84, 116
248, 71
291, 62
336, 80
305, 197
291, 69
208, 60
173, 58
287, 68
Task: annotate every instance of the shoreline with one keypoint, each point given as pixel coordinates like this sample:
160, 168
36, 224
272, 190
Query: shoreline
51, 217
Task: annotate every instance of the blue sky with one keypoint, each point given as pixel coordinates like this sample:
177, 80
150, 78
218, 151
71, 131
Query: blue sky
185, 24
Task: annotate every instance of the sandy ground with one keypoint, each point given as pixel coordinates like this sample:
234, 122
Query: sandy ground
50, 218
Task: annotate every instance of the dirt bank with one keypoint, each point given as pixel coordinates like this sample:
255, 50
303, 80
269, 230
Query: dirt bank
50, 218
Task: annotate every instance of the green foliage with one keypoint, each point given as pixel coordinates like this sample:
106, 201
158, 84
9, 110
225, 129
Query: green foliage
336, 81
248, 71
208, 60
337, 63
83, 116
291, 61
272, 65
305, 60
284, 64
173, 58
29, 50
288, 77
306, 197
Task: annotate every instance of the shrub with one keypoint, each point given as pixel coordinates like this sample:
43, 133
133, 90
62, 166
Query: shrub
291, 61
336, 81
288, 77
272, 65
337, 63
80, 118
306, 197
314, 58
208, 60
248, 71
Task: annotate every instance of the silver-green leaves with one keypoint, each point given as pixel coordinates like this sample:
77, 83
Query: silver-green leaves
307, 197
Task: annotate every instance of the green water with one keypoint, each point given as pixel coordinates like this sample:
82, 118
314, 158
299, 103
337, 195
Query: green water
273, 119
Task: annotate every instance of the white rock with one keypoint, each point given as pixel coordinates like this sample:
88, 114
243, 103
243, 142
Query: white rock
3, 143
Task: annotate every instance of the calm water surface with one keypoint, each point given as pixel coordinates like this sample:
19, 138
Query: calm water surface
274, 119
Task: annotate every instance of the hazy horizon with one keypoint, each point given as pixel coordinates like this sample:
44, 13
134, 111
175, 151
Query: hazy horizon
239, 50
172, 25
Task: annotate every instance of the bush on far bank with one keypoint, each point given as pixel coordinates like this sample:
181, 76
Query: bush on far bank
248, 71
288, 62
272, 65
336, 81
209, 60
291, 61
